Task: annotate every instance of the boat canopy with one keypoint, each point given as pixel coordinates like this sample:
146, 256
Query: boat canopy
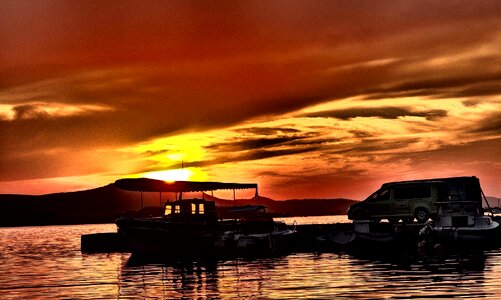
153, 185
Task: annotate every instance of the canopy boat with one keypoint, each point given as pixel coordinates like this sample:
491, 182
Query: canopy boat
188, 226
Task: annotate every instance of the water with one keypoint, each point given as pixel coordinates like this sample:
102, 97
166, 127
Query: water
46, 262
314, 220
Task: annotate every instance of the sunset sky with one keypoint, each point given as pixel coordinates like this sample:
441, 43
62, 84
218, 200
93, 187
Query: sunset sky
309, 99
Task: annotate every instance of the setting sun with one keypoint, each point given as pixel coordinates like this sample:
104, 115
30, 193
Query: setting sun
171, 175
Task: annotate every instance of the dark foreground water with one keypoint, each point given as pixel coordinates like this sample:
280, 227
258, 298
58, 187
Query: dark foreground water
46, 262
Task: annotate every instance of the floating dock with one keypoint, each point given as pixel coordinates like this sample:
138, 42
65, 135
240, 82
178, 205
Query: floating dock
106, 242
309, 237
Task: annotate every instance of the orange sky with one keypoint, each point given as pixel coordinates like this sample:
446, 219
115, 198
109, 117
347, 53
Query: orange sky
306, 98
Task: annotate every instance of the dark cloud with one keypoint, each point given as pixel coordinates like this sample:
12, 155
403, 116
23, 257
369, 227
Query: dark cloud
466, 159
275, 137
247, 149
361, 133
165, 68
488, 88
489, 125
251, 155
487, 150
471, 102
28, 112
375, 146
155, 152
268, 131
246, 144
316, 141
384, 112
448, 85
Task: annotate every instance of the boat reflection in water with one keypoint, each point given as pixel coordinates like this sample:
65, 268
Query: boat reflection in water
191, 227
195, 278
319, 276
44, 263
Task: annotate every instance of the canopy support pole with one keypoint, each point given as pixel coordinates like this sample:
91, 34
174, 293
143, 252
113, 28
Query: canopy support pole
142, 201
160, 202
487, 202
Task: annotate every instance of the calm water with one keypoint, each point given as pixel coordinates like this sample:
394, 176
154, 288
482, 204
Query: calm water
46, 262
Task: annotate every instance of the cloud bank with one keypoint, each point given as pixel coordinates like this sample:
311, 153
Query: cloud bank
92, 89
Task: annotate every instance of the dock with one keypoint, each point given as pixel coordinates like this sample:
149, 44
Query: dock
106, 242
309, 237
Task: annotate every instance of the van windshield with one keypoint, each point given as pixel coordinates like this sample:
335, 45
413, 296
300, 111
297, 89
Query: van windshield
380, 195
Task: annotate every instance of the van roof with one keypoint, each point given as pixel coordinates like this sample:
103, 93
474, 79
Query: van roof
448, 180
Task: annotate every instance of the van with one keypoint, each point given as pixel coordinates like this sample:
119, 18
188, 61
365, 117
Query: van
407, 200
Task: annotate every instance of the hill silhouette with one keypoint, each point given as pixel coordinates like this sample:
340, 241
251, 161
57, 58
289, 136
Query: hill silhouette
105, 204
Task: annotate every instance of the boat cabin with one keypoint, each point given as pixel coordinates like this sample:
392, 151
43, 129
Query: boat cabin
191, 210
253, 218
457, 213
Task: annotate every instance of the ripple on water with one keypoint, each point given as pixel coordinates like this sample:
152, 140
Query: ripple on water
45, 262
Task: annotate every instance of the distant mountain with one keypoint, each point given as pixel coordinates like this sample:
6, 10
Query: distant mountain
90, 206
296, 207
105, 204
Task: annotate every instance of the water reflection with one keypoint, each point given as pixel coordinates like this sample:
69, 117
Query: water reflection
200, 279
457, 275
177, 280
307, 275
46, 263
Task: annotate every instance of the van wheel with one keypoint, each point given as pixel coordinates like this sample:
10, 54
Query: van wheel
421, 215
393, 220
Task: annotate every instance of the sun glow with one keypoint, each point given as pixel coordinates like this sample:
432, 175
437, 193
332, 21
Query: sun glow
171, 175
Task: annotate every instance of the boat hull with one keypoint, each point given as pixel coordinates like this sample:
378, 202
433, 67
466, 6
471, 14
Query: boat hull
155, 237
251, 244
483, 234
158, 237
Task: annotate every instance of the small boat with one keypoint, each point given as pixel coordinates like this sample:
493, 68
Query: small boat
460, 222
463, 221
365, 232
254, 231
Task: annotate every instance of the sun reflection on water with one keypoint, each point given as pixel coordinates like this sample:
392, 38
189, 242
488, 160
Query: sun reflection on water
45, 262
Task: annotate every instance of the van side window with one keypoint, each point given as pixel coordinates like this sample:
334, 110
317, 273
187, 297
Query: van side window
412, 192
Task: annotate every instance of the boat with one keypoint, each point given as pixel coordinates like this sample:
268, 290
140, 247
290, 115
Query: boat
187, 226
192, 227
253, 230
182, 230
364, 233
463, 222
